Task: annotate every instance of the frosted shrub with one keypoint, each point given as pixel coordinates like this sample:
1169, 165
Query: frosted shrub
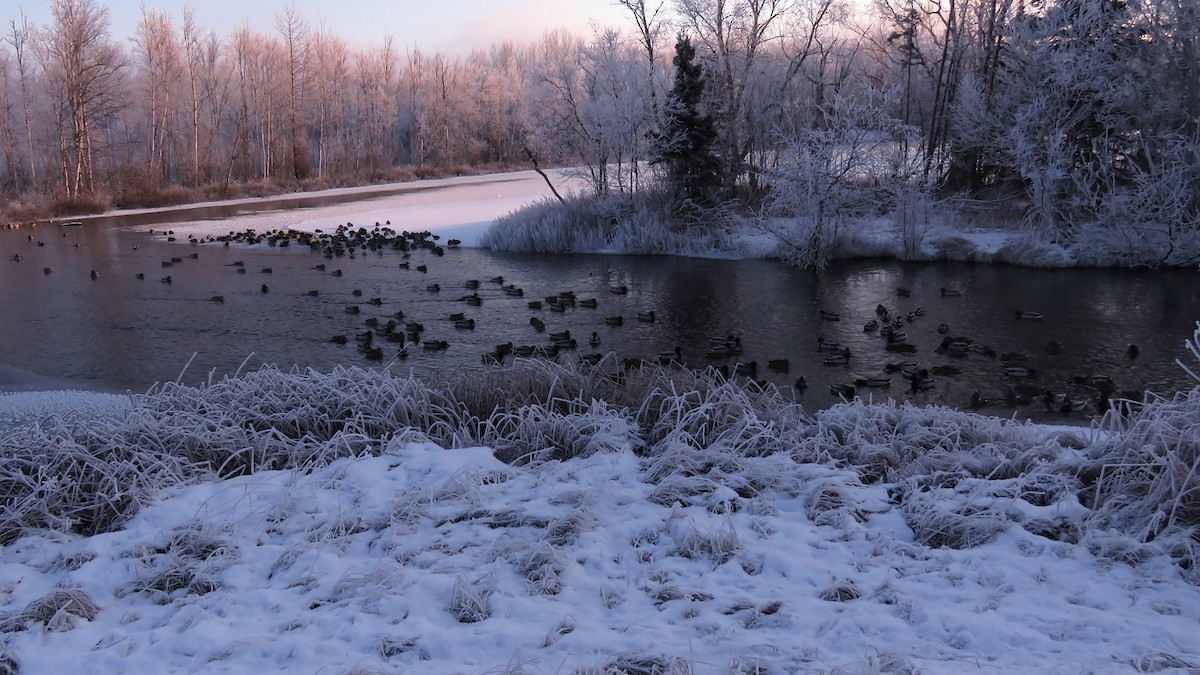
1148, 468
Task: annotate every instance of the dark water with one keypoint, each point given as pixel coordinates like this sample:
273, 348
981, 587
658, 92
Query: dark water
116, 332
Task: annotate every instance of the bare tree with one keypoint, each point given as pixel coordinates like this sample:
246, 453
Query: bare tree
292, 28
161, 70
82, 67
18, 38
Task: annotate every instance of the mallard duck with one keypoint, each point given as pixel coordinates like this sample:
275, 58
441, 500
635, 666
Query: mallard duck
619, 290
457, 316
950, 292
563, 335
747, 369
824, 345
433, 288
874, 382
1024, 314
843, 390
647, 317
534, 304
1019, 372
465, 324
339, 339
589, 303
538, 324
666, 358
613, 320
779, 365
840, 358
435, 344
422, 268
1132, 351
594, 341
472, 284
871, 326
829, 316
942, 329
903, 292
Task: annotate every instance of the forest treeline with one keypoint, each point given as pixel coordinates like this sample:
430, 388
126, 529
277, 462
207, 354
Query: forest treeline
1082, 117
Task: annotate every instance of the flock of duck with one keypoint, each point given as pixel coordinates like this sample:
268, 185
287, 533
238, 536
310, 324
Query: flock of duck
381, 334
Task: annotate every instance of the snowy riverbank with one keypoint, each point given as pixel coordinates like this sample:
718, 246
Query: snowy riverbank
360, 522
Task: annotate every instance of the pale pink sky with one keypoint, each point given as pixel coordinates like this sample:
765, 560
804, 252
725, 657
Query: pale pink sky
450, 26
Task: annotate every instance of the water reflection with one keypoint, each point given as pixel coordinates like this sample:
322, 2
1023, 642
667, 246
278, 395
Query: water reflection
118, 332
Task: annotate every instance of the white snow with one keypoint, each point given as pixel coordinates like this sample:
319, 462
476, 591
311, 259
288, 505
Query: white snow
423, 559
455, 208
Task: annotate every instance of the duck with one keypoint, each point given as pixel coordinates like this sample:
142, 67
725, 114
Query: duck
840, 358
1019, 372
613, 320
140, 276
871, 326
747, 369
372, 321
1013, 357
217, 298
374, 353
264, 289
457, 316
922, 381
534, 304
824, 345
667, 358
339, 339
422, 268
647, 317
903, 292
779, 365
800, 384
523, 351
842, 390
1025, 314
465, 324
433, 288
950, 292
618, 290
313, 294
589, 303
942, 329
353, 309
946, 370
979, 401
376, 301
472, 284
594, 341
435, 345
562, 335
829, 316
166, 279
901, 347
875, 381
1132, 351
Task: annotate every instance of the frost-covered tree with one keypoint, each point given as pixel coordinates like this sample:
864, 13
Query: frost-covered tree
685, 144
1088, 114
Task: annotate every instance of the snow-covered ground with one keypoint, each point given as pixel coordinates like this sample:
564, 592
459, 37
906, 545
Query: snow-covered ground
365, 523
454, 208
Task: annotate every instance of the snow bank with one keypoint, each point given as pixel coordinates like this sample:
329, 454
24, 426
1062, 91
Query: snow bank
657, 520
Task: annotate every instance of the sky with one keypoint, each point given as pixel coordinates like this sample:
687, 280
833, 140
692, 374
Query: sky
447, 27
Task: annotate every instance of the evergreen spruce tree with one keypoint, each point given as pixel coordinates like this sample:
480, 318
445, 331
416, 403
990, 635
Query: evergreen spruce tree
685, 143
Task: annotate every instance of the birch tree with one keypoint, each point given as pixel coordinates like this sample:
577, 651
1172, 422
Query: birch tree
81, 68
